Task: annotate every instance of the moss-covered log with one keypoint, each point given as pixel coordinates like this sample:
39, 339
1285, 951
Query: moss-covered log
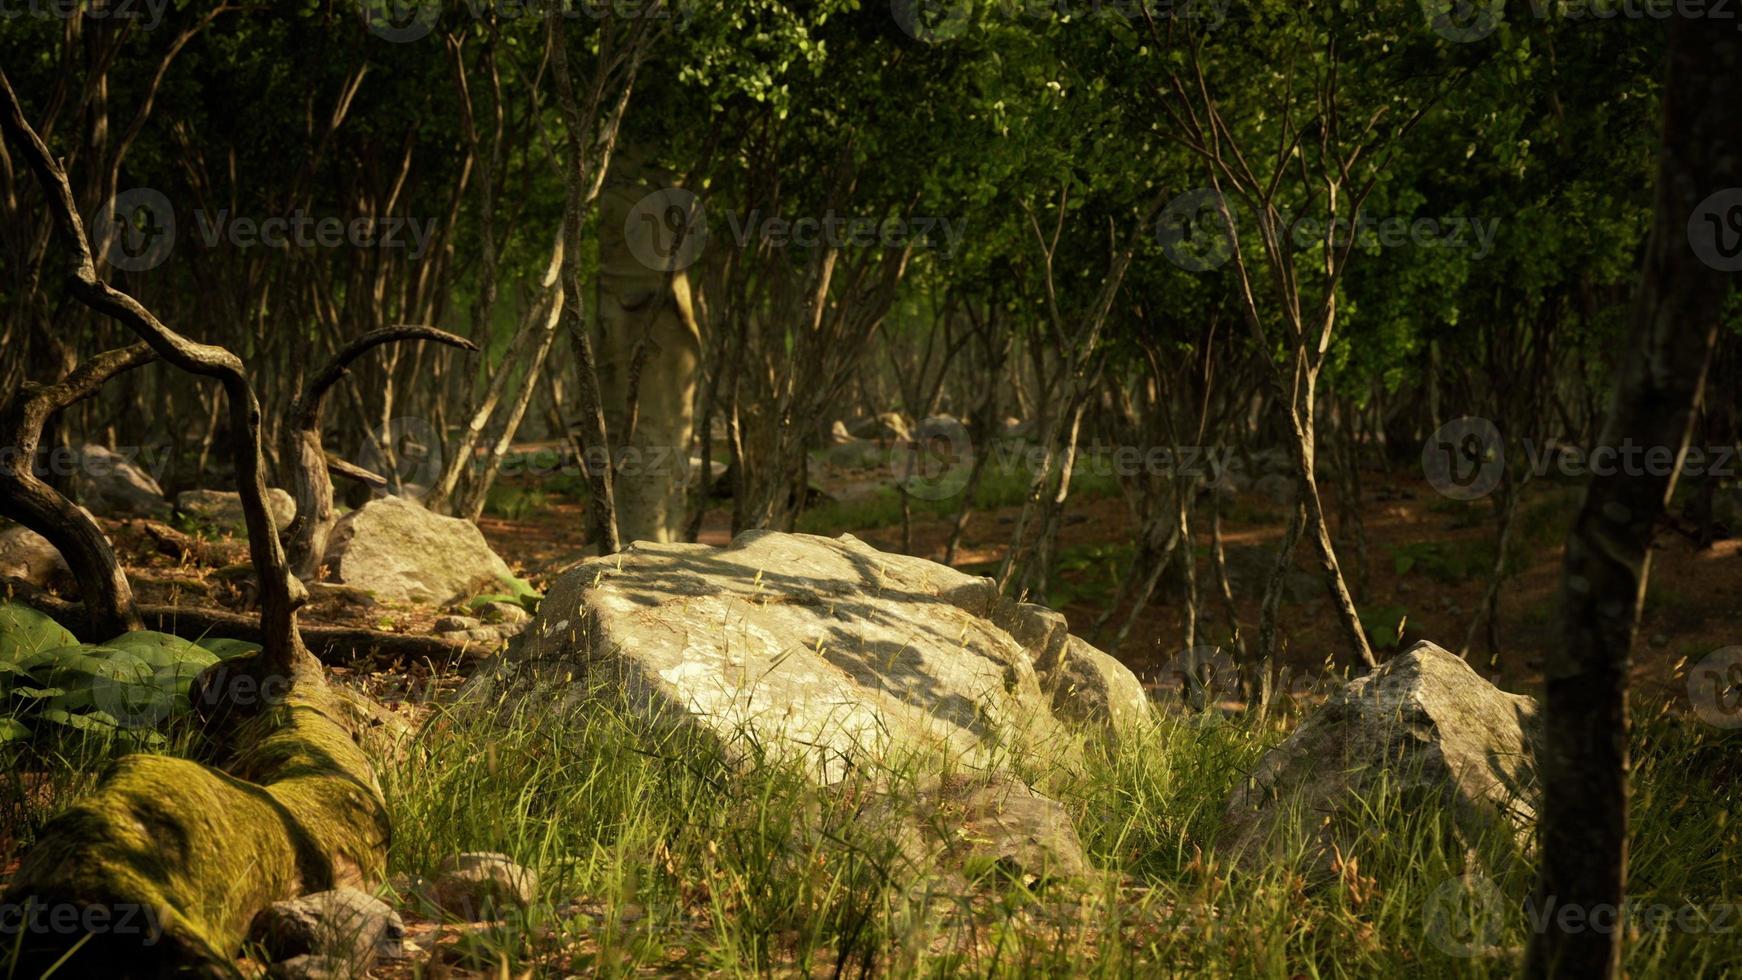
185, 854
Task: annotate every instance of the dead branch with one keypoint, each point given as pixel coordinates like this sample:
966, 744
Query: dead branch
28, 500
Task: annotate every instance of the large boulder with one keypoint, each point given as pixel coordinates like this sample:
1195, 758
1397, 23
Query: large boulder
29, 556
1424, 726
821, 651
403, 553
109, 483
222, 509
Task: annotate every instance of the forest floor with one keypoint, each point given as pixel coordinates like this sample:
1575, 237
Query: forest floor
1429, 562
663, 891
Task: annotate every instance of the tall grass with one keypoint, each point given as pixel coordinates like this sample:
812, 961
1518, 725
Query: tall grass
657, 854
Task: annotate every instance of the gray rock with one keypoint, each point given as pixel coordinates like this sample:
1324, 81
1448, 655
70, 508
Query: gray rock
814, 650
109, 483
887, 427
839, 436
480, 884
26, 555
1425, 724
1091, 688
342, 932
946, 428
961, 827
404, 553
505, 612
457, 624
223, 508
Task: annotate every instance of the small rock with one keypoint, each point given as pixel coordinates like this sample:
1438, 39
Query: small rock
403, 553
887, 427
223, 508
341, 931
1092, 688
1659, 640
839, 436
474, 884
109, 483
505, 612
457, 624
26, 555
1424, 724
962, 825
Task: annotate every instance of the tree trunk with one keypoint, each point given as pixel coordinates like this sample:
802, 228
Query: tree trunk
649, 346
1675, 315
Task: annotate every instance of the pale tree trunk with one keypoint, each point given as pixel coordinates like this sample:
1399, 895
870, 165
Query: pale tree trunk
1584, 760
649, 345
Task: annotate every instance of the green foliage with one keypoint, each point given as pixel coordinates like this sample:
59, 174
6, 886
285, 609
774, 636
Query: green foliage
514, 502
519, 592
1384, 625
50, 684
1450, 562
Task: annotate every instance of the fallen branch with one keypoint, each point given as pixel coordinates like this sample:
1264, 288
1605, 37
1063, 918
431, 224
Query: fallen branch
339, 646
351, 471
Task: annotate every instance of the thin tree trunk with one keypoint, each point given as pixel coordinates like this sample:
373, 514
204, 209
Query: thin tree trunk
1584, 758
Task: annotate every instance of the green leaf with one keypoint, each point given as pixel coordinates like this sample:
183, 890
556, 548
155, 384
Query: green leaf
225, 648
162, 650
25, 631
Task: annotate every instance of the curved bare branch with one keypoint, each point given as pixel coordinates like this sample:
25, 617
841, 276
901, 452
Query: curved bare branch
27, 499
